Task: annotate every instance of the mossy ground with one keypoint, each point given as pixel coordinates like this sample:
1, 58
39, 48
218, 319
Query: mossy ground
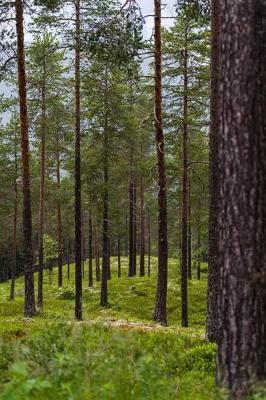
115, 353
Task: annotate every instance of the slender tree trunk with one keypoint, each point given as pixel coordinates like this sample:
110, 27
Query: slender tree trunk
97, 256
42, 188
59, 219
119, 257
126, 238
189, 250
68, 261
78, 234
198, 259
149, 245
184, 241
134, 229
14, 261
212, 317
161, 295
142, 230
131, 228
83, 252
90, 253
29, 306
109, 258
105, 242
242, 201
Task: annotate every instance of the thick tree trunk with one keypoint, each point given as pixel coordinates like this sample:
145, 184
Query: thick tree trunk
59, 220
42, 188
29, 305
90, 253
212, 318
105, 241
184, 241
242, 201
78, 235
142, 230
14, 261
161, 295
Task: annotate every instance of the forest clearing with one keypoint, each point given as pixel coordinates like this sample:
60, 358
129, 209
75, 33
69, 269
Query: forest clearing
132, 199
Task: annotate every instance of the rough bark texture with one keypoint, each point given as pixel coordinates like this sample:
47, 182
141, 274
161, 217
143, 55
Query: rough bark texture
161, 294
211, 331
242, 201
184, 240
105, 240
142, 231
29, 305
42, 188
90, 253
78, 235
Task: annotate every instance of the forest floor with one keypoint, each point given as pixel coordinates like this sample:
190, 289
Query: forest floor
116, 352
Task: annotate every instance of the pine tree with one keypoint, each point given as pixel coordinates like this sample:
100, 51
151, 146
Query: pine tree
241, 211
29, 307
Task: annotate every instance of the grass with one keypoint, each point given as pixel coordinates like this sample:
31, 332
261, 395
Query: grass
115, 353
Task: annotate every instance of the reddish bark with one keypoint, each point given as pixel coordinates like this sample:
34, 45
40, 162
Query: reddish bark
161, 295
29, 305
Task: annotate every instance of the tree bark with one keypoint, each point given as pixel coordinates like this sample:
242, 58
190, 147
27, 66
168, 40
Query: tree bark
14, 261
42, 187
105, 241
59, 220
90, 253
126, 238
142, 230
184, 240
161, 294
29, 305
97, 256
189, 250
118, 257
68, 261
212, 317
149, 245
198, 257
132, 247
242, 201
78, 234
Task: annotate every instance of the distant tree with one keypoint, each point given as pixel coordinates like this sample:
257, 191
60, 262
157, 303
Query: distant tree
186, 53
